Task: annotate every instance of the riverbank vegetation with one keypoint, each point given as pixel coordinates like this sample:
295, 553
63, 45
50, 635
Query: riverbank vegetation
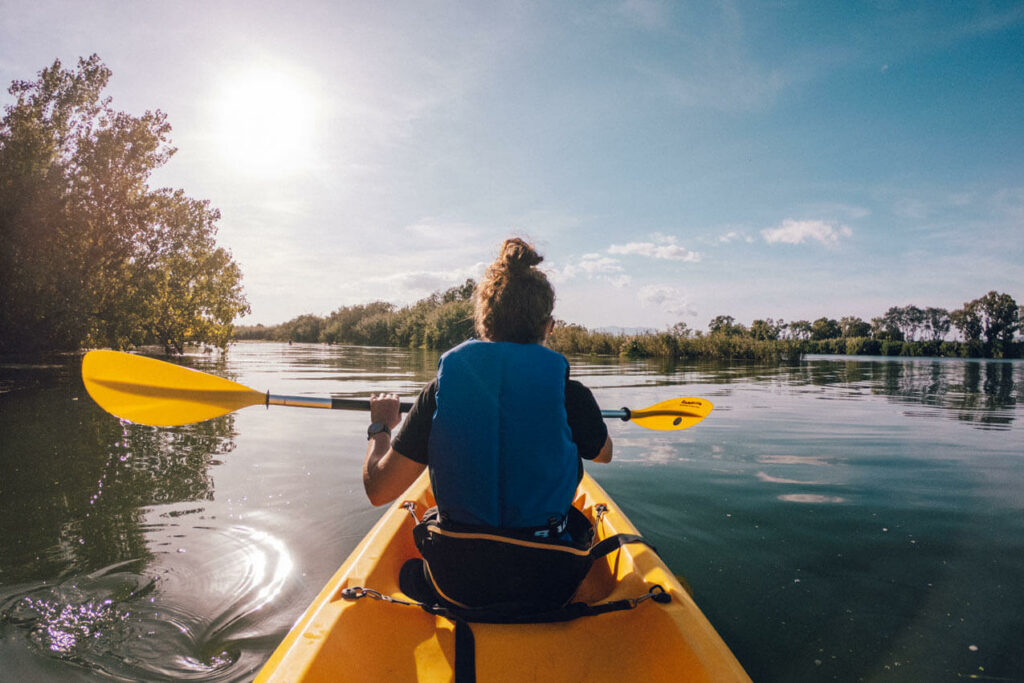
438, 321
987, 327
90, 255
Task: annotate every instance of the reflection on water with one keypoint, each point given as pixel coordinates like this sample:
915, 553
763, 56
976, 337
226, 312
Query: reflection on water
86, 577
983, 392
810, 498
842, 518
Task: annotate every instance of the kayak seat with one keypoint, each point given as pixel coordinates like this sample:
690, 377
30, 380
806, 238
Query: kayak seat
502, 573
487, 575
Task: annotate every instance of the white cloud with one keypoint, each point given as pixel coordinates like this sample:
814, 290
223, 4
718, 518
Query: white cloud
667, 298
433, 232
798, 232
593, 266
734, 235
596, 264
409, 285
668, 250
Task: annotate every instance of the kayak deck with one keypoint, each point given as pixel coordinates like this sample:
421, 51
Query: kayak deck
371, 640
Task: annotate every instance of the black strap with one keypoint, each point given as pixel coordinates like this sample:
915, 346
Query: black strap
465, 652
465, 643
611, 543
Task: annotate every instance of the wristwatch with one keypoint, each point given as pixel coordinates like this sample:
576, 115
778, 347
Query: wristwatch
377, 428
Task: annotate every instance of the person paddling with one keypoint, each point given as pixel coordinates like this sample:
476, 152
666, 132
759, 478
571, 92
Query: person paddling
502, 427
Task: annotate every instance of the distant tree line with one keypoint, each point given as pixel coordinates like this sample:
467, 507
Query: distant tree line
987, 327
438, 321
90, 254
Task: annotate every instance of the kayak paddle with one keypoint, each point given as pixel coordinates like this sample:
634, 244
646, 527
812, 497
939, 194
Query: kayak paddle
159, 394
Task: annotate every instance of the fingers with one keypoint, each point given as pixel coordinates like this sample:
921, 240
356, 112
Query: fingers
385, 408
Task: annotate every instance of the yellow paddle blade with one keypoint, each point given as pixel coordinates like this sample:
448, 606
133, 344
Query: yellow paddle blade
151, 392
676, 413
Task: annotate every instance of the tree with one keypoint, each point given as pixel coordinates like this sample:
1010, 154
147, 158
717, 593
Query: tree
825, 328
90, 255
999, 317
889, 326
721, 324
852, 326
727, 325
681, 330
995, 316
968, 321
305, 328
800, 329
346, 325
913, 321
463, 292
767, 329
936, 323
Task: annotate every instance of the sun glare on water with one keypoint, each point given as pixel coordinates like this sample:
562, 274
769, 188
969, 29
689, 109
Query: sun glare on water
266, 120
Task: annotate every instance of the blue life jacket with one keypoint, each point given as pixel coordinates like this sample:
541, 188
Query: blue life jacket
501, 451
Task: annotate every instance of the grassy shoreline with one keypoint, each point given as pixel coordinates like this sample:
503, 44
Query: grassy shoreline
577, 340
573, 339
444, 319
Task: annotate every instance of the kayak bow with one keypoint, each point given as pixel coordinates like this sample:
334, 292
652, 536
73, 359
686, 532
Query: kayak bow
337, 639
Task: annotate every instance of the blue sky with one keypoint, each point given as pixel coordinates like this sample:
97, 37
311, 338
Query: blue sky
673, 161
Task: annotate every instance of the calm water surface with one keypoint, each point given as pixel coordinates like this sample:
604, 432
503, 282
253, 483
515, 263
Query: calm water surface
844, 519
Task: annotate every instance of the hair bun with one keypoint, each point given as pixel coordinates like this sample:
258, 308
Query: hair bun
518, 255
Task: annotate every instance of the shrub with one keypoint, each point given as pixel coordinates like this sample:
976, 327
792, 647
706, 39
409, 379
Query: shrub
891, 347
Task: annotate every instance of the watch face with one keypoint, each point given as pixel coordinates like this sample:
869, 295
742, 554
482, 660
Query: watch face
377, 428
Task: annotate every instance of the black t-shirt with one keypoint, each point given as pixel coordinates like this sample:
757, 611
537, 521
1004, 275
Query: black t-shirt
589, 431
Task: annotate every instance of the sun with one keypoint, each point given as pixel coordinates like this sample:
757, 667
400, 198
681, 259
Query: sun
266, 120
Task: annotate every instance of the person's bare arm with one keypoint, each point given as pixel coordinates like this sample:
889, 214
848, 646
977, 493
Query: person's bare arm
386, 472
606, 452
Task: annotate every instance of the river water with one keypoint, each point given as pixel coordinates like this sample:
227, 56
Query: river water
841, 519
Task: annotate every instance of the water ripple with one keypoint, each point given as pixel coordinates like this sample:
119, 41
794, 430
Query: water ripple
175, 616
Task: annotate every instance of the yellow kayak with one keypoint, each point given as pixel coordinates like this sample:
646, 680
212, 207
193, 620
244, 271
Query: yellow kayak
339, 639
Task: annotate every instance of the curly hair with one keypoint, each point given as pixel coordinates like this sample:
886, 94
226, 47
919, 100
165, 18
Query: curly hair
513, 302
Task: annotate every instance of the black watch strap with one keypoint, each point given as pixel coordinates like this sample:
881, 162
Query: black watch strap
377, 428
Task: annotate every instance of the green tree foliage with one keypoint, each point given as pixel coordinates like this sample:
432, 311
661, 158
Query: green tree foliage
886, 327
800, 329
908, 323
90, 255
681, 330
995, 316
913, 320
444, 319
767, 329
852, 326
438, 321
894, 325
936, 323
576, 339
825, 328
368, 324
1000, 317
968, 321
726, 325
